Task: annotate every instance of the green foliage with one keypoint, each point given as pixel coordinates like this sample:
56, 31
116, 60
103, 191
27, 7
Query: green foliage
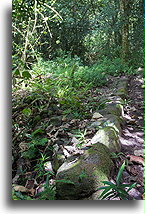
73, 73
86, 29
82, 175
111, 190
102, 104
50, 190
47, 194
81, 137
33, 151
68, 81
27, 112
26, 74
37, 132
39, 168
19, 196
114, 155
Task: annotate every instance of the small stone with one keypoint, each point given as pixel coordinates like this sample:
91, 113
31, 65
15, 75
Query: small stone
97, 115
138, 152
135, 194
48, 166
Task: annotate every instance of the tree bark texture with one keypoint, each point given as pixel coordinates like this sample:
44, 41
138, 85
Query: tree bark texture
124, 6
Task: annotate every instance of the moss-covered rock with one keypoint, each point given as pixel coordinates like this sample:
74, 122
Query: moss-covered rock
109, 137
86, 172
108, 120
57, 161
122, 88
123, 83
122, 93
112, 108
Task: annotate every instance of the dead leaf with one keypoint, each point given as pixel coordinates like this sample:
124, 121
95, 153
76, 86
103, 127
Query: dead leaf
32, 192
74, 121
65, 126
30, 184
64, 118
133, 170
75, 140
23, 146
140, 118
136, 159
20, 188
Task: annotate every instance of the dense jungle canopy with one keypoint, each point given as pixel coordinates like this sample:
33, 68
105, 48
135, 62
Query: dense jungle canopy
90, 30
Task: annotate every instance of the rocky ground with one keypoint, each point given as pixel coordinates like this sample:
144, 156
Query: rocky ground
64, 141
132, 138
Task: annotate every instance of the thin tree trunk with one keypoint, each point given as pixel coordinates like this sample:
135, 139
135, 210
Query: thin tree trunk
124, 6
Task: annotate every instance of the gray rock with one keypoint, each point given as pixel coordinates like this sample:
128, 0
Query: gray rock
108, 120
58, 160
122, 88
139, 152
109, 137
112, 108
48, 166
85, 173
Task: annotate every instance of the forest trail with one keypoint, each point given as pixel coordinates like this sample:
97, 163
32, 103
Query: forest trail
132, 138
69, 136
75, 85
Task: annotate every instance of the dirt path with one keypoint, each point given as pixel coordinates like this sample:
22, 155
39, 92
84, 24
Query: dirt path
132, 138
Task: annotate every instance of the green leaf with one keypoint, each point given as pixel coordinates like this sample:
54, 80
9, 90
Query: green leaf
27, 112
57, 42
47, 180
119, 176
31, 153
124, 185
123, 197
132, 186
122, 192
109, 183
105, 187
26, 74
37, 131
16, 72
109, 193
43, 141
105, 191
114, 155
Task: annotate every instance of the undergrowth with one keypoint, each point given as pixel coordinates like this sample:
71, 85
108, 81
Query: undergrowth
52, 92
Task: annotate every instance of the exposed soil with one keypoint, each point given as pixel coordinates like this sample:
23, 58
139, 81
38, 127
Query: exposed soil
132, 138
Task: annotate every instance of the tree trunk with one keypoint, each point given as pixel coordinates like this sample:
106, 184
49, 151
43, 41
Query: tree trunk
124, 7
